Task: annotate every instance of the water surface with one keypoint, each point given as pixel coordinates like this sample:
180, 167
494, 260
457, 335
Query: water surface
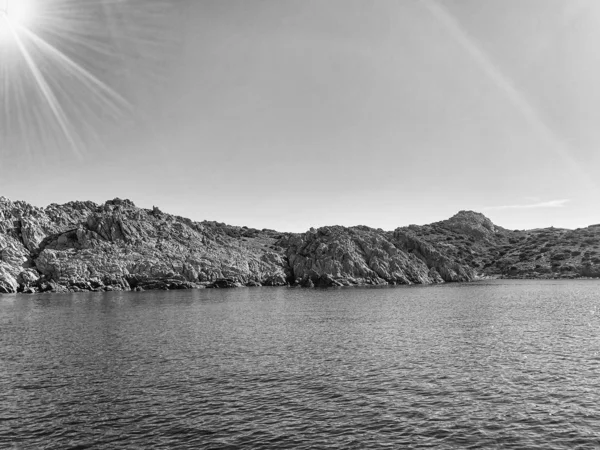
501, 364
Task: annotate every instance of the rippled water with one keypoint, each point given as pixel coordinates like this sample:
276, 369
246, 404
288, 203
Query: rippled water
504, 364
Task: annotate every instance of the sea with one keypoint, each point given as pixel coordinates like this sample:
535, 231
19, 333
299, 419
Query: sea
491, 364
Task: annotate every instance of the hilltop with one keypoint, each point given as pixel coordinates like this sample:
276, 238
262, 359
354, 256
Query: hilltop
83, 246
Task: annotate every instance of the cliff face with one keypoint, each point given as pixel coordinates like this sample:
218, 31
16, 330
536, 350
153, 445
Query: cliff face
117, 246
348, 256
84, 246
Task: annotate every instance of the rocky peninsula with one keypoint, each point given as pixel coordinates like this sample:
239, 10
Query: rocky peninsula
82, 246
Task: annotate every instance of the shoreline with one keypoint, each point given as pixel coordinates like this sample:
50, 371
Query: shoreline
82, 247
220, 284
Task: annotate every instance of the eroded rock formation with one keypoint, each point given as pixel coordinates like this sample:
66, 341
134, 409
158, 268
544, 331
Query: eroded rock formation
81, 246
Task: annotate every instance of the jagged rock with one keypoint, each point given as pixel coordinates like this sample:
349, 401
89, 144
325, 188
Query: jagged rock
306, 282
28, 277
326, 280
277, 279
82, 246
164, 285
52, 286
434, 275
445, 268
361, 254
8, 283
471, 223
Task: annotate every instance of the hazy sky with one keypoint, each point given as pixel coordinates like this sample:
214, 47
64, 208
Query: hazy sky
288, 114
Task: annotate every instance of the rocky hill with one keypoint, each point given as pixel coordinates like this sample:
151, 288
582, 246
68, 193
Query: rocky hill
472, 239
82, 246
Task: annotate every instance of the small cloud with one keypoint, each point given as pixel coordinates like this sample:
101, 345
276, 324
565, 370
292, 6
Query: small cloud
549, 204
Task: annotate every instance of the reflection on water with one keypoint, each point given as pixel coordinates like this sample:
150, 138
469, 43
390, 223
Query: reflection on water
511, 364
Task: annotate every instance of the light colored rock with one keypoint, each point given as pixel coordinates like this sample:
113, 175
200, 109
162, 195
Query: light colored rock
8, 282
117, 246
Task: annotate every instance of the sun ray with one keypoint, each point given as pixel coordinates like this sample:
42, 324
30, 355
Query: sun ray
45, 89
74, 72
81, 73
506, 85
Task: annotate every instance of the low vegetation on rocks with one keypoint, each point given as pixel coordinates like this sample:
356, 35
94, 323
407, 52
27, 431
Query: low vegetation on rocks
82, 246
472, 239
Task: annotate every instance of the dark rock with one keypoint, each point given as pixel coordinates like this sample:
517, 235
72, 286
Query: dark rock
327, 280
224, 283
306, 282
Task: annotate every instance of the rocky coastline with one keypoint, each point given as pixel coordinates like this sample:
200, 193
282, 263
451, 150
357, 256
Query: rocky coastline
82, 246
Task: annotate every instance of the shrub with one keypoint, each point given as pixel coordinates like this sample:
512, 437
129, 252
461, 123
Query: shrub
524, 256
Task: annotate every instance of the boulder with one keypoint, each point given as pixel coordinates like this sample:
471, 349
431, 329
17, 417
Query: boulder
8, 283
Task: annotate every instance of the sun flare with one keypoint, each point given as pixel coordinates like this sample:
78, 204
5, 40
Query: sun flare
66, 69
17, 13
13, 15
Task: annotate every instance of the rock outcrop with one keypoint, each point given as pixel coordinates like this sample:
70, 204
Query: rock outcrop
472, 240
471, 223
338, 256
82, 246
447, 268
117, 246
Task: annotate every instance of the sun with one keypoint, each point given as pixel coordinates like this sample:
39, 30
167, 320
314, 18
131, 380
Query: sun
14, 14
65, 68
17, 13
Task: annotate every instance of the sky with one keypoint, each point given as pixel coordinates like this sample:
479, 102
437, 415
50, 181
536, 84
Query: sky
291, 114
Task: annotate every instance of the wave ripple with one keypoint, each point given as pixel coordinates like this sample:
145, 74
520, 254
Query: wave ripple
486, 365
